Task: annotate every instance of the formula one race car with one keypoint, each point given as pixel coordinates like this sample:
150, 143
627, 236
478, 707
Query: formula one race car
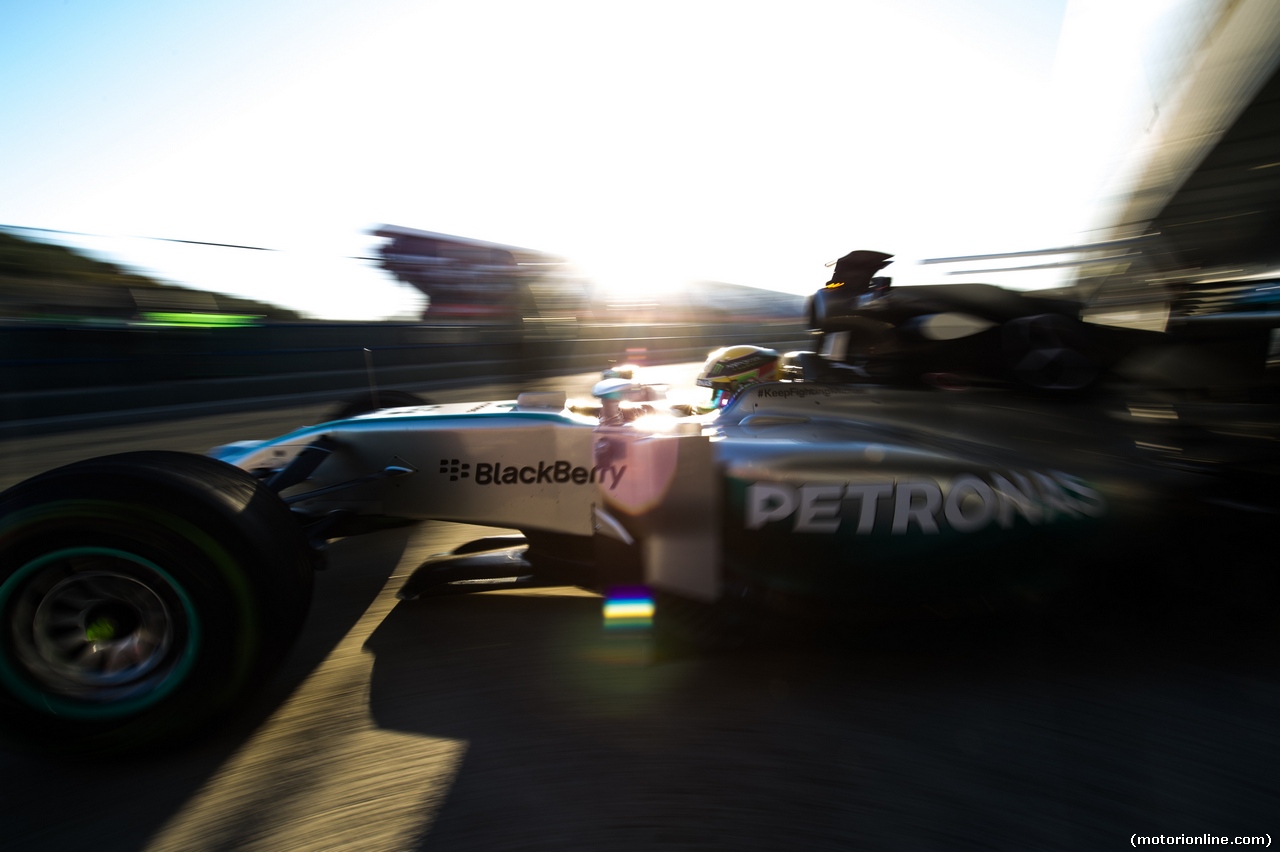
142, 593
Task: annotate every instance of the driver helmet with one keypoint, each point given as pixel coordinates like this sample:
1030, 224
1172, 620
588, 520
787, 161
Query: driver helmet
732, 368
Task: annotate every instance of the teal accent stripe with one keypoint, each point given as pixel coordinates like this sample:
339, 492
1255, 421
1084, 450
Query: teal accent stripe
362, 425
45, 702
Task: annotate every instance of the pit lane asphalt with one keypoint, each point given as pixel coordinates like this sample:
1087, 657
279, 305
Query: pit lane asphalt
509, 720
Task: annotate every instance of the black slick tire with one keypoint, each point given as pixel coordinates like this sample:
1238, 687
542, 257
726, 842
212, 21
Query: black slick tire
141, 595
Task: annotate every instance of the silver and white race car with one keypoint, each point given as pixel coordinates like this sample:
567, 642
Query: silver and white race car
141, 594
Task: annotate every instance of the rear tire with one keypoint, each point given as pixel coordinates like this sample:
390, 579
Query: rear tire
141, 595
1050, 352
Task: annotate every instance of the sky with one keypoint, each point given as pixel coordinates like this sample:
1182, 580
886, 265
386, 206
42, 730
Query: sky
653, 143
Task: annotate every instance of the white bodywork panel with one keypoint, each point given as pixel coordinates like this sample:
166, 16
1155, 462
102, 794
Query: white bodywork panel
670, 501
524, 465
495, 464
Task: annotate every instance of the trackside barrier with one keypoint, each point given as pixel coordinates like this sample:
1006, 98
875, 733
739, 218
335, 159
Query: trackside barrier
60, 372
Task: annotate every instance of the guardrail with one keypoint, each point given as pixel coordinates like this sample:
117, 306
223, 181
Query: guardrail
64, 372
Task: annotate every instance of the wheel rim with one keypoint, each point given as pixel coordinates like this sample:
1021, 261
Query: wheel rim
96, 632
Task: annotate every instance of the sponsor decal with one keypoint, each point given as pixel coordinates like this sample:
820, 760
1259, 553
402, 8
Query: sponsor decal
744, 363
455, 469
558, 472
965, 504
804, 392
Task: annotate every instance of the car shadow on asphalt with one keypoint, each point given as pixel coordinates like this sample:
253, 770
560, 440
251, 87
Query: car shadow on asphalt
576, 738
145, 792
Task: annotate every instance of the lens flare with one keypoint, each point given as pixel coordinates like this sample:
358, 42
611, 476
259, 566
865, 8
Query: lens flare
628, 608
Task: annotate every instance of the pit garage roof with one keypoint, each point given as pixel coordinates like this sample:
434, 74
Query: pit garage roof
1227, 213
1206, 181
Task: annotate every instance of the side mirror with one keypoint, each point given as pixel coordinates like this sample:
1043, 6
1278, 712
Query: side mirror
616, 389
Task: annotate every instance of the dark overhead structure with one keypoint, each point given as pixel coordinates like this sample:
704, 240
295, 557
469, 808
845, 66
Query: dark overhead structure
1196, 200
1227, 213
1204, 183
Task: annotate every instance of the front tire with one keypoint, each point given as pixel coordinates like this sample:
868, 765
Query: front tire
140, 596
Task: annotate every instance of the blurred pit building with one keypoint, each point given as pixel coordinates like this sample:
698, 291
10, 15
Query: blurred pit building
474, 282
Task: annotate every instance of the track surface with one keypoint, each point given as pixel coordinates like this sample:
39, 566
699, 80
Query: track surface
510, 721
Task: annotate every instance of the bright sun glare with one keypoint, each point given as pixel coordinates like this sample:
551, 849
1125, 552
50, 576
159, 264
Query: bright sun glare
677, 153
